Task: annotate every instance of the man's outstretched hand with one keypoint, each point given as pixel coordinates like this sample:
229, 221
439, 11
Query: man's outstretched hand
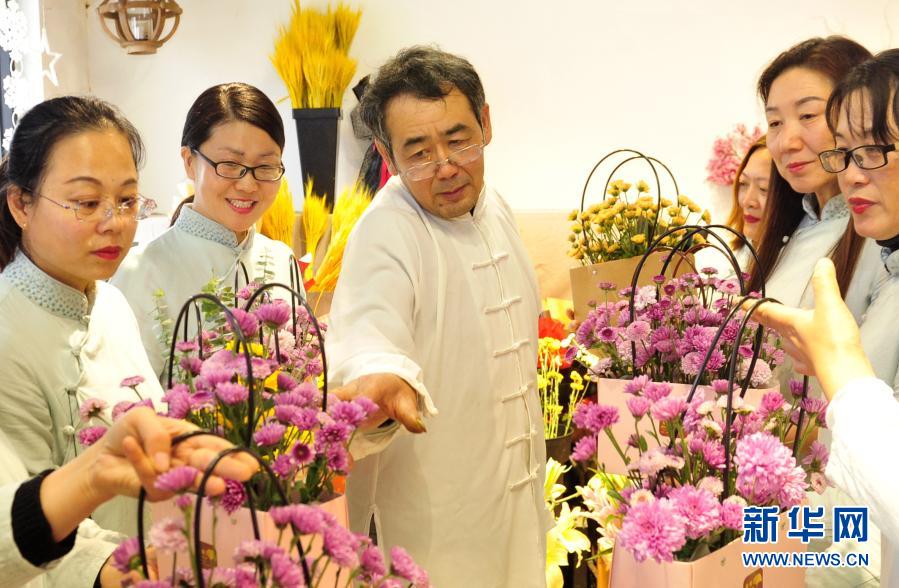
395, 398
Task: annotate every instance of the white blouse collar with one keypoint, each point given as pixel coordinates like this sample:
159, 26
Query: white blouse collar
890, 260
193, 223
835, 208
48, 292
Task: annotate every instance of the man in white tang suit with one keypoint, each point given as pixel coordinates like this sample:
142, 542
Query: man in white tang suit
435, 319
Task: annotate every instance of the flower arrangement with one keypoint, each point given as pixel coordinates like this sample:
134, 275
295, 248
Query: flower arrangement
264, 563
621, 226
672, 329
312, 55
274, 406
728, 152
560, 385
691, 476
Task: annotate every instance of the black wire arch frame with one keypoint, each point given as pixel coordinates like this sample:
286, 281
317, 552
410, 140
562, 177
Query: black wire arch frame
294, 298
242, 347
680, 248
198, 506
636, 155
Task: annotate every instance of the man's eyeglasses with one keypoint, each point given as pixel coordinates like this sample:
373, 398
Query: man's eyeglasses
94, 210
234, 171
864, 156
460, 157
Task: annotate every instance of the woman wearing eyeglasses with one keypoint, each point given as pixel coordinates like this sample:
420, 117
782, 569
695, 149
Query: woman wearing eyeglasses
68, 213
231, 146
862, 112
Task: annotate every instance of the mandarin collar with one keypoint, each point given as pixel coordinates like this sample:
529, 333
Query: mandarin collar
48, 292
193, 223
890, 260
835, 208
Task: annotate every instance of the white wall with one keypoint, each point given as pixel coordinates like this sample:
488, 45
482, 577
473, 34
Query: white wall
566, 81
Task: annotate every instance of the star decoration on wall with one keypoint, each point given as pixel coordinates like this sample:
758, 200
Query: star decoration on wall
50, 72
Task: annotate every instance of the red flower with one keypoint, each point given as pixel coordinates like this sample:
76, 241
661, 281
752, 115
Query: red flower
550, 327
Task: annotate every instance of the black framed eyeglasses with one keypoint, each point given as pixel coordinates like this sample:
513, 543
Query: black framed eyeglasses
234, 171
864, 156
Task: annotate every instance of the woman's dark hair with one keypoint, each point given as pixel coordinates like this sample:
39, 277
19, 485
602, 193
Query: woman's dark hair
224, 103
832, 57
872, 84
25, 164
423, 72
736, 213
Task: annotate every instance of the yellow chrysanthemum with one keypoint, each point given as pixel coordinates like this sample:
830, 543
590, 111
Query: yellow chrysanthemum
642, 186
638, 239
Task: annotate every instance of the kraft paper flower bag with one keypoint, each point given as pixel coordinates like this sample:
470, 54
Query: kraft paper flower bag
255, 373
695, 463
663, 332
610, 237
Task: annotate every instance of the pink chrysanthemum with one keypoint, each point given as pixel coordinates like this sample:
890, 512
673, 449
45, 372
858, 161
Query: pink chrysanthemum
638, 406
168, 535
132, 382
595, 417
766, 470
732, 512
652, 529
669, 408
91, 407
177, 479
699, 509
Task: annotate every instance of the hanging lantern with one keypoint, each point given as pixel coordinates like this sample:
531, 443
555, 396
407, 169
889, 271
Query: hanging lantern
139, 25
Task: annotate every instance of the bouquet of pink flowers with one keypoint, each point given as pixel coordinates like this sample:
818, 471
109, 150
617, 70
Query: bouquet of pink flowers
258, 380
700, 464
728, 152
666, 330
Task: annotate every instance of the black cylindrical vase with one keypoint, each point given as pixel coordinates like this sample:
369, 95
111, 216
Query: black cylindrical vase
317, 138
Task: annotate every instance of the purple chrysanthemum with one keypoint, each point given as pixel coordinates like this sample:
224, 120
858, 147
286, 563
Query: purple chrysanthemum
340, 544
273, 314
269, 434
584, 449
284, 466
235, 496
247, 322
90, 435
178, 400
402, 565
301, 453
372, 565
126, 556
595, 417
285, 382
285, 573
232, 393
